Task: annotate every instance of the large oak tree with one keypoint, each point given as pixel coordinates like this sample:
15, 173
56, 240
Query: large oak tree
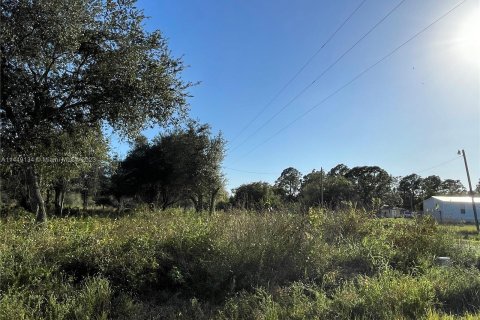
69, 64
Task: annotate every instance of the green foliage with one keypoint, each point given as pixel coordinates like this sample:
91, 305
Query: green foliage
452, 187
89, 300
289, 183
97, 54
68, 68
174, 264
297, 301
336, 189
457, 289
409, 186
184, 164
369, 182
256, 196
398, 294
430, 186
369, 186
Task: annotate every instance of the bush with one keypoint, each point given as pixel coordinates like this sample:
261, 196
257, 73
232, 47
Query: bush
92, 300
457, 289
297, 301
385, 296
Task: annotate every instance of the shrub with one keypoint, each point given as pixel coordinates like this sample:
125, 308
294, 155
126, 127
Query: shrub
297, 301
92, 300
388, 295
457, 289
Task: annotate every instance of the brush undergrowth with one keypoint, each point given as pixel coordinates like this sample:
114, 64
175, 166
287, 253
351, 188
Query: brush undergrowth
175, 264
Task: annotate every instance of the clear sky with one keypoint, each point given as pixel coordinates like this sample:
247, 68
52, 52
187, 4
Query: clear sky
409, 113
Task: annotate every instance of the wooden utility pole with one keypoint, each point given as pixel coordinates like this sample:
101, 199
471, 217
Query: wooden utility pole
471, 191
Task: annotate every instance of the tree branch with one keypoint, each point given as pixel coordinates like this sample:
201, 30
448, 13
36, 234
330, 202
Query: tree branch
70, 96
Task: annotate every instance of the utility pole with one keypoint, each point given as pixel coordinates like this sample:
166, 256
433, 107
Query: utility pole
471, 191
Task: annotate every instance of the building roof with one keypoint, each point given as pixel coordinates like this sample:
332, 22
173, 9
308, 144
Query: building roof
456, 199
389, 207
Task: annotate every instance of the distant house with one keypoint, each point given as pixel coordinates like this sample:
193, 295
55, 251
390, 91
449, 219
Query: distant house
391, 212
451, 209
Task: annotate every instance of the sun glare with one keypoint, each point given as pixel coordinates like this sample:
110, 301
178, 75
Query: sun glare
468, 41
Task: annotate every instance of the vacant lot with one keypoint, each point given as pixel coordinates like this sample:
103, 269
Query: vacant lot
242, 265
465, 231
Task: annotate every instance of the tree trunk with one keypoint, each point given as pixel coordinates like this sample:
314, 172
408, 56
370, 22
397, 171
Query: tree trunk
211, 208
56, 200
59, 198
121, 203
85, 199
38, 204
62, 201
196, 203
47, 201
200, 203
164, 203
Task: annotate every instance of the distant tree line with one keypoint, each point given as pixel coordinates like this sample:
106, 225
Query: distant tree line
367, 186
182, 168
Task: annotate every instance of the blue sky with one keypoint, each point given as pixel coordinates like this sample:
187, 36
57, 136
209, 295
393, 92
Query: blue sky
410, 113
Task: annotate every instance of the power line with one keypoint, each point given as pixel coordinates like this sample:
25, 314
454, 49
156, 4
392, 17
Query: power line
275, 173
321, 74
298, 72
356, 77
252, 172
439, 165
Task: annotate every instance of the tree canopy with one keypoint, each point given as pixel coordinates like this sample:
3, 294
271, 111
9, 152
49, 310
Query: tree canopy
184, 164
289, 183
255, 196
70, 64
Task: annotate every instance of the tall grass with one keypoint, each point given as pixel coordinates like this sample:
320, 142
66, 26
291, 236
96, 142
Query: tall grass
175, 264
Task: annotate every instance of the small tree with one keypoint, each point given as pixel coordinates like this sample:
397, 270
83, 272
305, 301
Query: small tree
203, 163
311, 189
336, 189
80, 152
182, 164
410, 188
289, 183
255, 196
369, 182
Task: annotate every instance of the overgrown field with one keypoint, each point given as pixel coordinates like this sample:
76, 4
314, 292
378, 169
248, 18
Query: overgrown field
182, 265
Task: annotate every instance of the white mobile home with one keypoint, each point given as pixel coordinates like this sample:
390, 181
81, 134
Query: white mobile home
391, 212
451, 209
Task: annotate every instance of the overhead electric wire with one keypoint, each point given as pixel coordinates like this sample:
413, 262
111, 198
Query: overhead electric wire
252, 172
298, 72
356, 77
417, 172
321, 74
440, 164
